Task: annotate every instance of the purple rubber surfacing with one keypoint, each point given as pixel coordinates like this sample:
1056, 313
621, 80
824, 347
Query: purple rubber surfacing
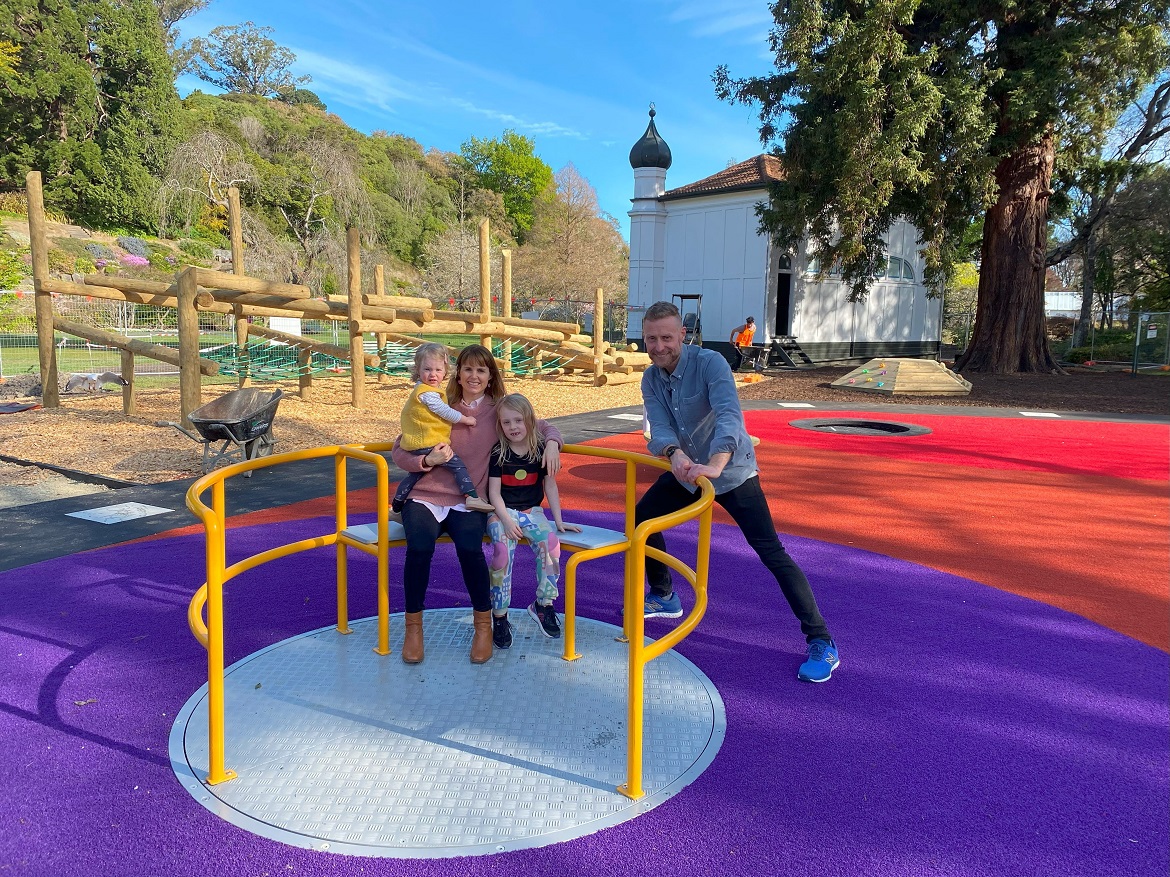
967, 732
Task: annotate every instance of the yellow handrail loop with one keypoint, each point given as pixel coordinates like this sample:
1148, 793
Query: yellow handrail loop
209, 596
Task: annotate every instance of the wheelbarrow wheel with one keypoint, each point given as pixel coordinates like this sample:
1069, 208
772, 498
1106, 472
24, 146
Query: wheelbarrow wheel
259, 447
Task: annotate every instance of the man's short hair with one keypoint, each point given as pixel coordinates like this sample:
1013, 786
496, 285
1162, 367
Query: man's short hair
660, 310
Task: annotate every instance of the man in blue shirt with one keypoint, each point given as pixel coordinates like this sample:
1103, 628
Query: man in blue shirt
697, 424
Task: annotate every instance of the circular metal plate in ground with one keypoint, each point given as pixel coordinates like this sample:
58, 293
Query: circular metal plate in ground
337, 748
857, 426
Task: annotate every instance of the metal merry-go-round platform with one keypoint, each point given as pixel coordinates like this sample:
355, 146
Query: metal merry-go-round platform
339, 749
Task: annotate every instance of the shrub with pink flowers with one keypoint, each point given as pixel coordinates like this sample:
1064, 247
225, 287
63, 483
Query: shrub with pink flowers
132, 261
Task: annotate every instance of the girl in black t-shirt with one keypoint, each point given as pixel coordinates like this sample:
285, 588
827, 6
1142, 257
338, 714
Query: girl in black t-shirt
517, 485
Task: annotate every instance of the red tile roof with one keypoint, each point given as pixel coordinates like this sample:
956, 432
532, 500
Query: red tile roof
755, 173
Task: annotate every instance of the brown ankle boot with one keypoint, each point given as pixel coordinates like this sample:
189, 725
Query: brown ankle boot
412, 644
481, 640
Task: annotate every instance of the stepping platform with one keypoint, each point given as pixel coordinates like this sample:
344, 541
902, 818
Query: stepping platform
905, 377
341, 750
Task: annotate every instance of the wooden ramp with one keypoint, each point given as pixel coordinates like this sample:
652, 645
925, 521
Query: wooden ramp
905, 377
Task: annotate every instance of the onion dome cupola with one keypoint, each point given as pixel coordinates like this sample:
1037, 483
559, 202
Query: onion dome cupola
651, 150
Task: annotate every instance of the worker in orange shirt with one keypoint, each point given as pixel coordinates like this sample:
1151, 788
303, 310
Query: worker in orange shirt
741, 341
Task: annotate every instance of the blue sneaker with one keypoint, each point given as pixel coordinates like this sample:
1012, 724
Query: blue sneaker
662, 607
823, 659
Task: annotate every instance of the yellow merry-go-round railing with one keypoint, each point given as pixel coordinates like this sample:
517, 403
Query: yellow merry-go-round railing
632, 542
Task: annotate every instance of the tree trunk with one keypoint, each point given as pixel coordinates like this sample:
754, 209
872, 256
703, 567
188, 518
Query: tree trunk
1088, 276
1010, 333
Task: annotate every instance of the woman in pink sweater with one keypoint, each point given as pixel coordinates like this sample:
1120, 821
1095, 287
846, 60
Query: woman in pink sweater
436, 503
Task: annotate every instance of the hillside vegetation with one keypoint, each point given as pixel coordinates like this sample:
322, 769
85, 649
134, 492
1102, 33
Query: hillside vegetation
87, 98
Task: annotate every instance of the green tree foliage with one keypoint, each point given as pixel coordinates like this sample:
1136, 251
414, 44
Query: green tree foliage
243, 58
1136, 243
511, 167
170, 13
1086, 193
304, 96
92, 106
303, 175
941, 111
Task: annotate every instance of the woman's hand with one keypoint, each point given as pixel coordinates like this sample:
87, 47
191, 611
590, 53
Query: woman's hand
552, 458
439, 455
567, 528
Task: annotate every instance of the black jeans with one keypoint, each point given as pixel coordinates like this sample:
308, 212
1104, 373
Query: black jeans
748, 507
737, 357
466, 530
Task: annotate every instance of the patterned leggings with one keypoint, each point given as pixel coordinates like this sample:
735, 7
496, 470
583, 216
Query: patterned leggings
542, 536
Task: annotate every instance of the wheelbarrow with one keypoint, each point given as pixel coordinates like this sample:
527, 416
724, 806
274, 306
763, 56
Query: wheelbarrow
235, 427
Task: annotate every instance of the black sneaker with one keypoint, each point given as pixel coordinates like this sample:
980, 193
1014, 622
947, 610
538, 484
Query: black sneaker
501, 632
546, 617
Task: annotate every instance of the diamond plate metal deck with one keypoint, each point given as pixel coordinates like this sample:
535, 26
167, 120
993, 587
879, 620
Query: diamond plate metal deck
339, 749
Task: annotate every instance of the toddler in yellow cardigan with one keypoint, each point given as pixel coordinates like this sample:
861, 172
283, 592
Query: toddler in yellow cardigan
427, 420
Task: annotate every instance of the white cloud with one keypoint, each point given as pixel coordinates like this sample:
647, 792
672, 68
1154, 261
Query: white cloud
747, 18
546, 129
353, 85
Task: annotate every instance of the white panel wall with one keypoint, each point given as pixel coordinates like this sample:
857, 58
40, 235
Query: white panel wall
894, 310
712, 248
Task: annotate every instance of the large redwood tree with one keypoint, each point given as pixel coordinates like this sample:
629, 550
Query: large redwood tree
944, 112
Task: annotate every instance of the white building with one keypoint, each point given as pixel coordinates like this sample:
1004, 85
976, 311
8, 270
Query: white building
703, 239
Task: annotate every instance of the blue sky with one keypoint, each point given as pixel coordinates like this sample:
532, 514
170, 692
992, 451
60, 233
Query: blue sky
577, 77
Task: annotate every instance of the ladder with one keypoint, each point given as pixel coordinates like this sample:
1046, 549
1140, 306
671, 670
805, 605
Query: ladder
786, 353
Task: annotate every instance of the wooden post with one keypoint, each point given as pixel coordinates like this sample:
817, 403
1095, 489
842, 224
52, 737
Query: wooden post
236, 236
485, 278
380, 290
190, 391
598, 334
506, 303
47, 353
304, 373
357, 357
128, 406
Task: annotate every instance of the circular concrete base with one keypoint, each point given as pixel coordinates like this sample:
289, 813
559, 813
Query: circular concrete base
337, 748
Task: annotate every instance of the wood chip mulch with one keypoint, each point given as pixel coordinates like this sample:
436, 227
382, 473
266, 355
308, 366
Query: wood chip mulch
89, 433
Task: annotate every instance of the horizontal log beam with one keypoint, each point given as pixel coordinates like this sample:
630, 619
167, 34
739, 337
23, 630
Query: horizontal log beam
110, 293
610, 379
152, 292
437, 327
131, 284
627, 357
564, 329
140, 348
222, 280
389, 301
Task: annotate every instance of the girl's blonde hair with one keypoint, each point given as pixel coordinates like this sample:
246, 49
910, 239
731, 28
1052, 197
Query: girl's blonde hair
430, 350
521, 405
476, 354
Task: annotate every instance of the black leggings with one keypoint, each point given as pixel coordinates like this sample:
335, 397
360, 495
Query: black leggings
748, 507
466, 530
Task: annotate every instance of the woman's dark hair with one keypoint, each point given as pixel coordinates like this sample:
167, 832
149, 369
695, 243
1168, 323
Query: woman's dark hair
476, 354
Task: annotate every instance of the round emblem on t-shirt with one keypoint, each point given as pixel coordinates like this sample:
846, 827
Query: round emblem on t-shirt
521, 474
